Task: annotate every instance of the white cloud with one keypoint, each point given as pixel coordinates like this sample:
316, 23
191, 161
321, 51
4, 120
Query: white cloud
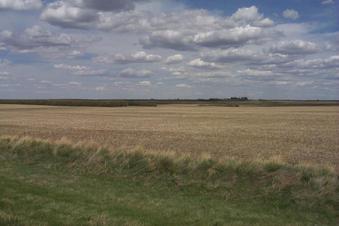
100, 88
245, 56
253, 72
251, 15
66, 15
168, 39
2, 47
327, 2
35, 37
141, 57
183, 85
177, 58
199, 63
234, 36
84, 13
281, 83
80, 70
46, 82
295, 47
133, 73
182, 30
231, 55
73, 83
183, 45
317, 63
304, 83
6, 34
247, 14
106, 5
144, 83
4, 75
70, 67
178, 40
74, 53
20, 4
40, 35
138, 57
290, 14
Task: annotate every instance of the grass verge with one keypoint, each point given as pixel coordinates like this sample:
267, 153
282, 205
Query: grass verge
43, 183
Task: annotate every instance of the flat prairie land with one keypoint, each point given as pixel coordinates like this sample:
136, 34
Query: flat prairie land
291, 134
169, 165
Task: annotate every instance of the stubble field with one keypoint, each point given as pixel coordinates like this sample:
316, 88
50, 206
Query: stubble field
290, 134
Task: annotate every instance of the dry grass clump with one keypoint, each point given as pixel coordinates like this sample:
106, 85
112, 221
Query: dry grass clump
9, 220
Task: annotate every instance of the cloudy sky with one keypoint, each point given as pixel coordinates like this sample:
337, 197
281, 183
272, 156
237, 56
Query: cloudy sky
169, 49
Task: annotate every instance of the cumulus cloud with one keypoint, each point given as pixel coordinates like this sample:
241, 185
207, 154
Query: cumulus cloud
20, 4
35, 37
246, 56
84, 13
184, 30
64, 14
295, 47
4, 75
290, 14
183, 85
198, 29
107, 5
100, 88
133, 73
80, 70
2, 46
138, 57
234, 36
6, 34
317, 63
231, 55
73, 83
251, 15
304, 83
217, 38
201, 46
254, 72
145, 83
199, 63
327, 2
168, 39
174, 59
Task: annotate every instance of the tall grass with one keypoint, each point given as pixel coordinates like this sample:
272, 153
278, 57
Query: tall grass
308, 186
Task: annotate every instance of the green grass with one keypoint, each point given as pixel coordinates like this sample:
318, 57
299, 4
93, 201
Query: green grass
60, 184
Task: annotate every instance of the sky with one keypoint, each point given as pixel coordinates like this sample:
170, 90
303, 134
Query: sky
137, 49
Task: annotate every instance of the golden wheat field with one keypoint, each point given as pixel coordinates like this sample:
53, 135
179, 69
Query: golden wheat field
292, 134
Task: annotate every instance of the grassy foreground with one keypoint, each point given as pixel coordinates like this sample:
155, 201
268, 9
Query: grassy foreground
44, 183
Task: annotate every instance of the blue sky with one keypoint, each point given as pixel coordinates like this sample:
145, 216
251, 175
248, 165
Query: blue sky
169, 49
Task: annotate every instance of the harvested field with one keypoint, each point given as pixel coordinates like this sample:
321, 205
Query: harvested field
292, 134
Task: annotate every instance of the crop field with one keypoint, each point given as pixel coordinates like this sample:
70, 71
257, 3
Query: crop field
290, 134
169, 165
